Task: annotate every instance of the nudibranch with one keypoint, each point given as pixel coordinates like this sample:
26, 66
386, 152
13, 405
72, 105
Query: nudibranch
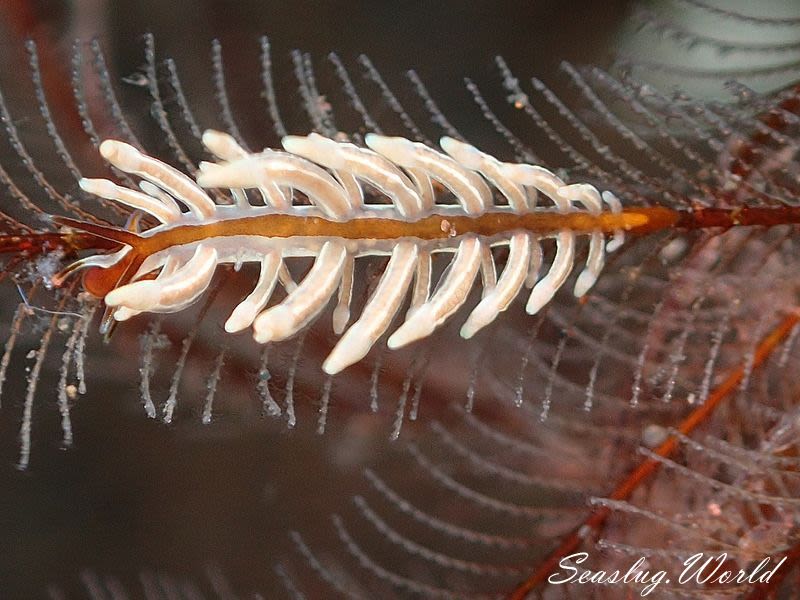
319, 201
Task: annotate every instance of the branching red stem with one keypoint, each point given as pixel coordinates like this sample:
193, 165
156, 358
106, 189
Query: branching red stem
597, 518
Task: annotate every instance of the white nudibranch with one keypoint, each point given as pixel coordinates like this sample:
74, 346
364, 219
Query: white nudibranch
331, 175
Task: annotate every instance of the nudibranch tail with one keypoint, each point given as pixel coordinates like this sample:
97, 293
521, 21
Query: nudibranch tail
169, 266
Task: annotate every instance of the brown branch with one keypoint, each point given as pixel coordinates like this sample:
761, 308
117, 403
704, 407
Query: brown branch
44, 242
597, 518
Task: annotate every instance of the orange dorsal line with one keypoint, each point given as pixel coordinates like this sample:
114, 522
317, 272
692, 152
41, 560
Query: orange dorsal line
636, 220
431, 227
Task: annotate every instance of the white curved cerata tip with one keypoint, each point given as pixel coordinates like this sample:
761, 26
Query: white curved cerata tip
241, 318
340, 318
149, 203
585, 194
222, 144
351, 348
397, 149
584, 283
465, 154
315, 148
123, 313
233, 175
420, 324
247, 310
274, 325
99, 187
143, 295
480, 317
121, 155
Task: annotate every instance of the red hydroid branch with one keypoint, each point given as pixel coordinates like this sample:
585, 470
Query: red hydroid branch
597, 518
